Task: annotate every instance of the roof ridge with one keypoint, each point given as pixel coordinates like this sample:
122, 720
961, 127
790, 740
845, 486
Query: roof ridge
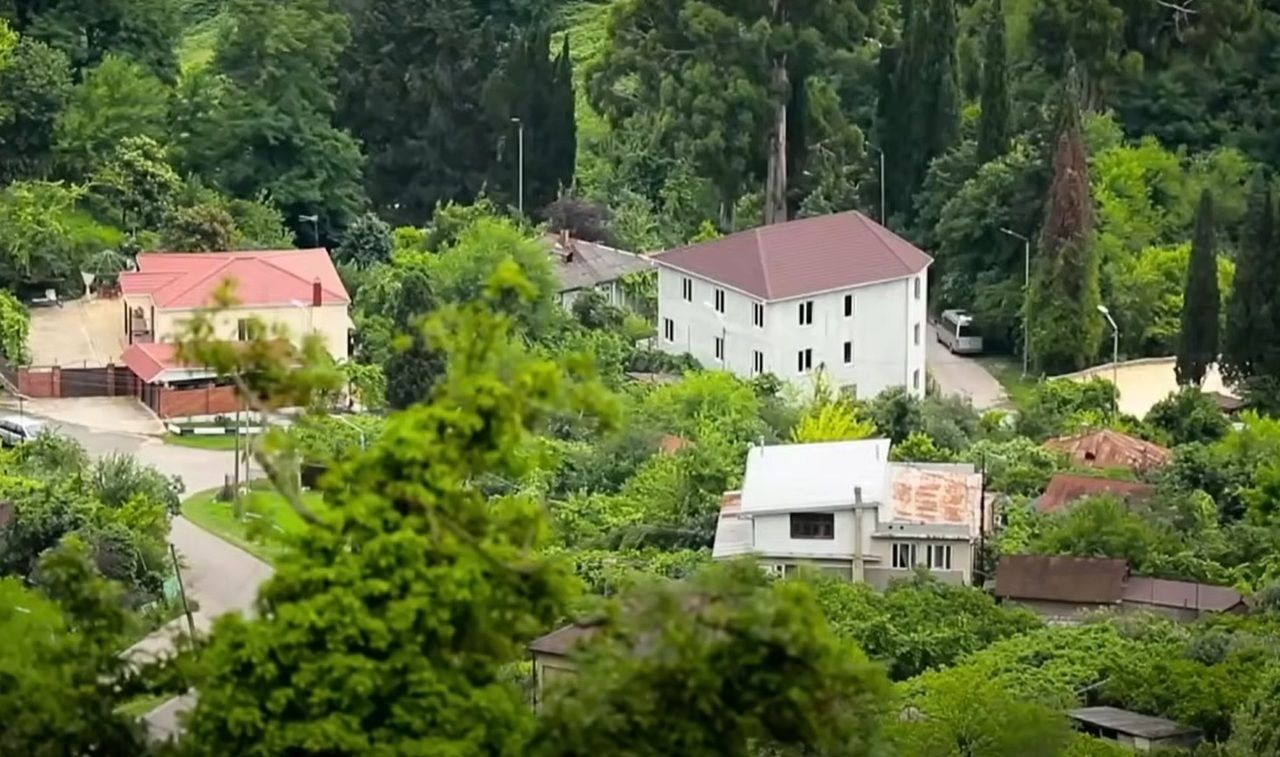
323, 288
764, 267
876, 229
200, 280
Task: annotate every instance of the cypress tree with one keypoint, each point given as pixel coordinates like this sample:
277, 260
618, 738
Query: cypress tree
1065, 324
993, 126
1247, 349
1198, 342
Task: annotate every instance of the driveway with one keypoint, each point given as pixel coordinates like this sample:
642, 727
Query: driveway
86, 333
962, 376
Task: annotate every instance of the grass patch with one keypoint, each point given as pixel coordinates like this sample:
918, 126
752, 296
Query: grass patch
139, 706
267, 517
1008, 371
206, 441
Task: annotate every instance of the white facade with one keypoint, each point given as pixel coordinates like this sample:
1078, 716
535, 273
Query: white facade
880, 328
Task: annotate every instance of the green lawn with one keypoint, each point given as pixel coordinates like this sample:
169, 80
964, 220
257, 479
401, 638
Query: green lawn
219, 442
1008, 371
257, 532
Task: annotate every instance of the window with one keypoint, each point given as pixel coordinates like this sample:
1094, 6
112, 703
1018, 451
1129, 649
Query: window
668, 329
939, 556
757, 362
806, 313
242, 330
757, 314
848, 306
848, 353
720, 349
804, 361
686, 289
917, 287
813, 526
904, 556
719, 300
916, 334
915, 379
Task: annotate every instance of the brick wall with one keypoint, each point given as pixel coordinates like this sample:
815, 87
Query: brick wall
213, 400
39, 382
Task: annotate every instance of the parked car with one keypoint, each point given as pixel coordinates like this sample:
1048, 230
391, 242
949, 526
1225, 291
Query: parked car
17, 429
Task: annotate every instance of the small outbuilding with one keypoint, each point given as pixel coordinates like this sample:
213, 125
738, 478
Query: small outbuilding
1142, 733
551, 655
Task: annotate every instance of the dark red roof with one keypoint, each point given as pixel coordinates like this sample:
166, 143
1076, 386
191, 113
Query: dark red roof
1065, 488
1059, 578
1107, 448
802, 257
1185, 594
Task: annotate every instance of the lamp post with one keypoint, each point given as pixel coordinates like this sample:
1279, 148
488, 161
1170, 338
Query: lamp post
314, 220
1026, 295
520, 157
348, 423
1115, 359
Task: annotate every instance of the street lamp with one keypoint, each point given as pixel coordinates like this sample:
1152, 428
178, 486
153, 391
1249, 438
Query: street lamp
1115, 359
314, 220
520, 188
349, 424
1026, 296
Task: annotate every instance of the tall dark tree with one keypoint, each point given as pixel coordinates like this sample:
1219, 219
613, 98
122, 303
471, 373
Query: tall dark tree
1250, 344
413, 370
993, 126
537, 89
35, 81
1063, 305
144, 31
1198, 342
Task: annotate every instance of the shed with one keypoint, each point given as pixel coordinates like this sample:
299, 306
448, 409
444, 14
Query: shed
1061, 587
1183, 600
551, 654
1140, 732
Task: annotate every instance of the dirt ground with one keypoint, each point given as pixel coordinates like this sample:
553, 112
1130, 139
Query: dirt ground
1143, 383
80, 334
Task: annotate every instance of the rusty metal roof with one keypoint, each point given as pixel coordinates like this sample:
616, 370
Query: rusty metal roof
802, 257
1065, 488
1108, 448
1185, 594
1058, 578
937, 495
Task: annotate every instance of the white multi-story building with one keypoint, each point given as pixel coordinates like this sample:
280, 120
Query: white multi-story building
842, 507
838, 292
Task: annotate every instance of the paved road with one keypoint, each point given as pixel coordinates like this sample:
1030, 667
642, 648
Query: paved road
221, 578
963, 376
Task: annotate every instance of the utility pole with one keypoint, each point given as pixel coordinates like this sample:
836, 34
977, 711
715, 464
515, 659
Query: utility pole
182, 590
520, 186
1026, 295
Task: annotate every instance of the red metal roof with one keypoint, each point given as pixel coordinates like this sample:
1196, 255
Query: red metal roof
262, 277
802, 257
1065, 488
150, 360
1108, 448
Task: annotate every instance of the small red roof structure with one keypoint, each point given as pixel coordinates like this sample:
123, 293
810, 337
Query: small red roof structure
1108, 448
802, 257
1065, 488
262, 277
149, 360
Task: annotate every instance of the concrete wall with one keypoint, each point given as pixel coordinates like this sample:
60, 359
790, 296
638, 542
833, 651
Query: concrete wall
883, 331
773, 537
1061, 612
880, 577
961, 558
330, 321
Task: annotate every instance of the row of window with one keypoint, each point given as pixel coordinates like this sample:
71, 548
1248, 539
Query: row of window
757, 308
936, 556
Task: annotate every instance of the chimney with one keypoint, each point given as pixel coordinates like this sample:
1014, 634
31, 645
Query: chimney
857, 495
315, 293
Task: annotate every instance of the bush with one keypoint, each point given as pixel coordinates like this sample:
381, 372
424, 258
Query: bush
1188, 415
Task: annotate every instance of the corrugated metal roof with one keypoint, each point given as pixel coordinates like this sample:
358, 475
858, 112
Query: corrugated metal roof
1110, 449
934, 495
148, 360
1065, 488
1131, 723
262, 277
801, 257
805, 476
583, 265
1161, 592
1058, 578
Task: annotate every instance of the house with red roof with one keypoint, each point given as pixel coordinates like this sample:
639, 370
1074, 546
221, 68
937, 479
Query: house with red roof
297, 289
839, 292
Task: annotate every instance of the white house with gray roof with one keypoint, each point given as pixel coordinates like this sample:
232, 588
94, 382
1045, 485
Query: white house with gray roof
839, 292
842, 507
580, 266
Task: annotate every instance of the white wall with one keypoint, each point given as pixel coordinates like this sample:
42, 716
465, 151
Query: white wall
331, 321
882, 329
773, 537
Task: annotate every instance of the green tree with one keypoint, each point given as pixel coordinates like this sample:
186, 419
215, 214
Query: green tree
115, 100
993, 127
1198, 345
830, 416
197, 228
15, 324
137, 182
268, 132
37, 242
417, 364
87, 31
35, 80
1255, 729
366, 242
655, 681
1187, 416
1248, 349
1066, 327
